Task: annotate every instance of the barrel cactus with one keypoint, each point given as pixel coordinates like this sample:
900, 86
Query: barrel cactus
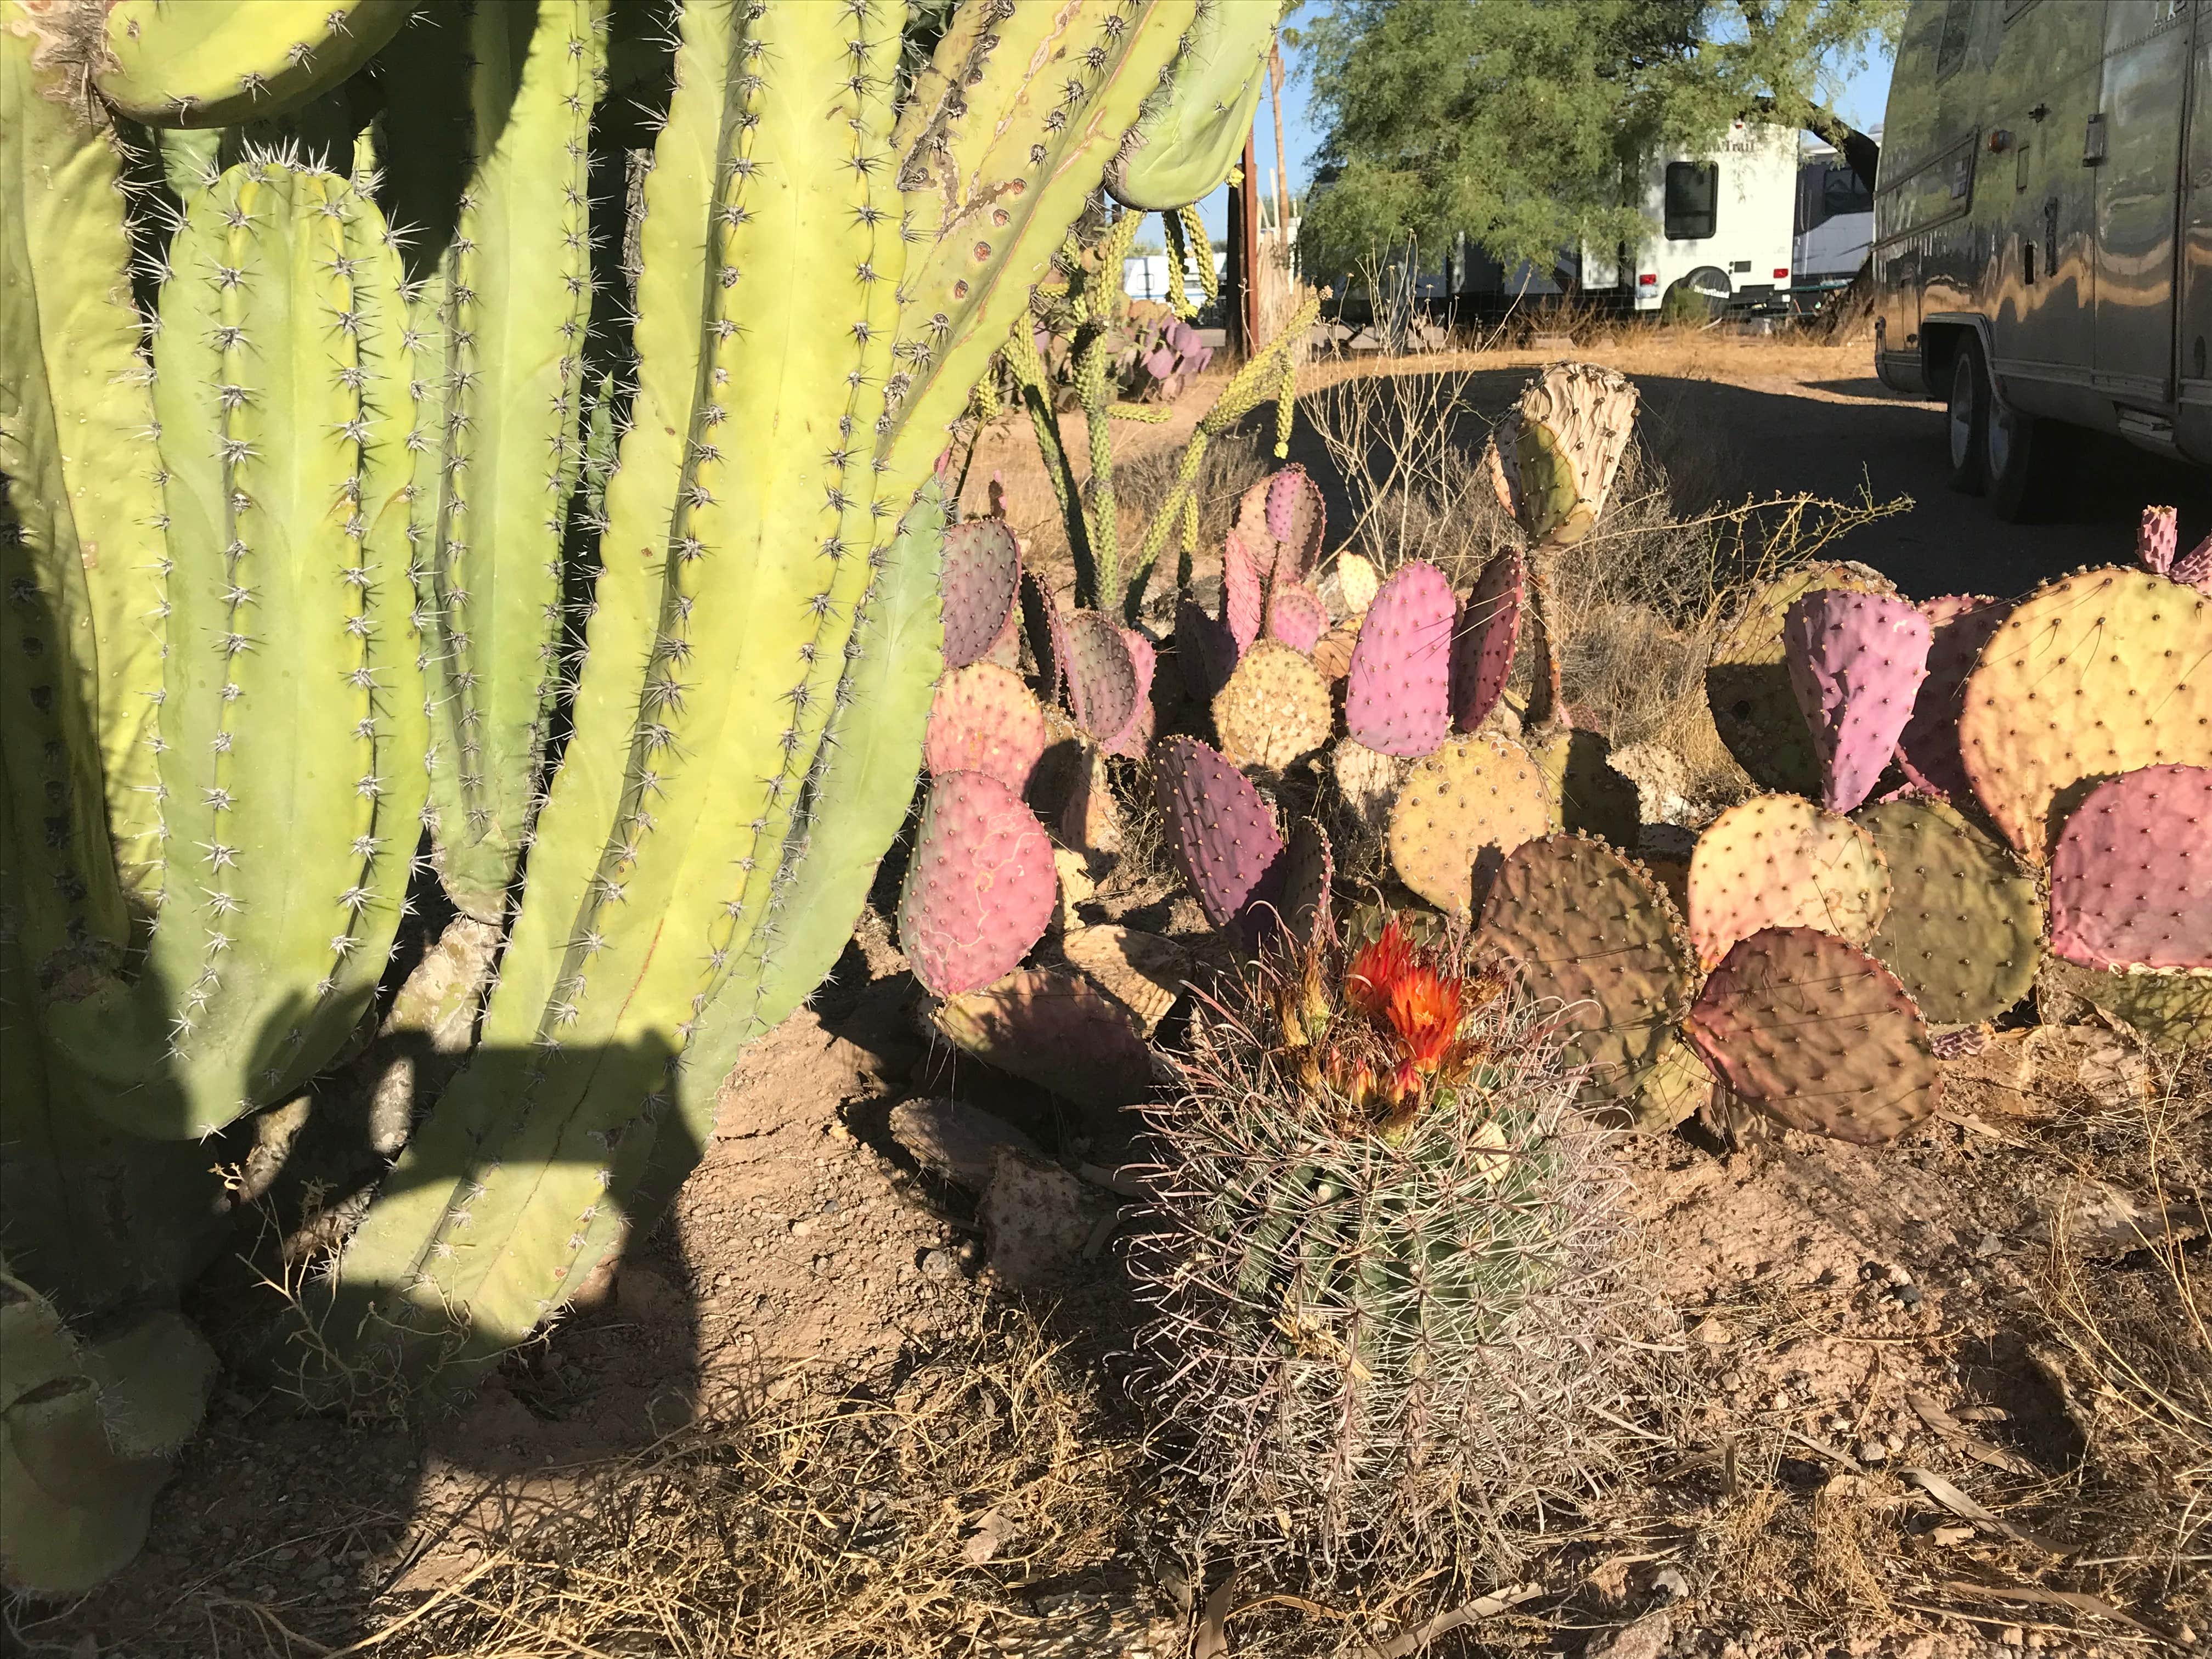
1382, 1269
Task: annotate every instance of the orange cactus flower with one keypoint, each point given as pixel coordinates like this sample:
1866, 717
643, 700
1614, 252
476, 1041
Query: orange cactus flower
1375, 973
1424, 1010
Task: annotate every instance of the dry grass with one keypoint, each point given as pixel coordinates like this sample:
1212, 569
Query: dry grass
841, 1524
1639, 603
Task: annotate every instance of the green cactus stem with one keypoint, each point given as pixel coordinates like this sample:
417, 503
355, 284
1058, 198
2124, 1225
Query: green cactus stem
218, 63
1194, 129
505, 311
290, 766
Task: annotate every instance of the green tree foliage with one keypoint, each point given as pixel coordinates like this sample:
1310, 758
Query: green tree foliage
1517, 121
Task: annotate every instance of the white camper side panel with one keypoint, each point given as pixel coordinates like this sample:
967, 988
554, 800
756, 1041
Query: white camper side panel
1722, 223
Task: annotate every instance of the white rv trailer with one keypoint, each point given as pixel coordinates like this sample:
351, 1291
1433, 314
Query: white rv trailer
2042, 232
1717, 226
1835, 217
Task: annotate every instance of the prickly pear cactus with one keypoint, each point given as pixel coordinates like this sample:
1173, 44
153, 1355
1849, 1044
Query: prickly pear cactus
1586, 793
1102, 677
1274, 708
984, 720
1589, 927
1398, 697
1856, 662
1223, 836
2131, 876
1963, 929
1296, 616
1554, 458
1357, 583
1928, 749
1459, 812
1814, 1032
1779, 861
1136, 736
1483, 641
87, 1430
2157, 539
1205, 651
2098, 674
1747, 680
1055, 1029
979, 887
982, 578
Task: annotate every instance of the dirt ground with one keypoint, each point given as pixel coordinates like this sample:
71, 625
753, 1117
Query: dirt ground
1879, 1446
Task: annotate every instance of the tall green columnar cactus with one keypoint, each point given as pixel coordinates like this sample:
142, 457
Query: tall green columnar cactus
76, 450
794, 384
499, 322
291, 741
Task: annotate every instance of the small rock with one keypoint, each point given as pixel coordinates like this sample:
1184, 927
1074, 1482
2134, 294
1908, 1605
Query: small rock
1037, 1216
1909, 1295
994, 1531
1711, 1331
801, 1229
939, 1265
1644, 1639
2012, 1635
953, 1139
1668, 1581
1873, 1451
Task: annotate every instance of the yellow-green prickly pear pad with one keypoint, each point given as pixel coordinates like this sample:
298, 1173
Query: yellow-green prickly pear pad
1780, 862
1274, 708
1591, 927
1964, 930
1460, 811
217, 63
2169, 1008
1747, 681
2098, 673
1591, 797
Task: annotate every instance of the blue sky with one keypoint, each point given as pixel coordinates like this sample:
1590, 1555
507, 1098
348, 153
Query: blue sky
1860, 105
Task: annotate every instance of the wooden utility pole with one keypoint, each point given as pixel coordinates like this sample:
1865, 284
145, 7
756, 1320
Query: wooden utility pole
1282, 161
1248, 194
1235, 279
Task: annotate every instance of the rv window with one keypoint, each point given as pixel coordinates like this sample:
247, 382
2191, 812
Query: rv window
1951, 45
1691, 189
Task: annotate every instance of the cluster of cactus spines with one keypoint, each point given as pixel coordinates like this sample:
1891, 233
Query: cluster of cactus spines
1274, 708
1459, 812
1100, 676
216, 65
1779, 860
984, 720
1222, 835
1193, 130
1963, 929
1136, 736
1590, 928
1747, 680
2131, 875
1814, 1031
2052, 702
289, 696
500, 320
2158, 538
1397, 697
979, 887
1483, 640
1856, 662
1296, 616
982, 579
81, 539
89, 1427
1055, 1028
1928, 748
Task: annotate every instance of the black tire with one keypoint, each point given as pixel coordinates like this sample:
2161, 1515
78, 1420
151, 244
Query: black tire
2027, 461
1966, 418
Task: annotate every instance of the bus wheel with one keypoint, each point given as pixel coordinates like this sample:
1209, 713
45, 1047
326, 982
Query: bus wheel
2026, 459
1967, 418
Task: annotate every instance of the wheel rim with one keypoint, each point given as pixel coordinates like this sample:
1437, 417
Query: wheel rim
1962, 412
1998, 440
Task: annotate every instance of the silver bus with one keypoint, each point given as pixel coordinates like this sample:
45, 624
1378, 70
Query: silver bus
2042, 232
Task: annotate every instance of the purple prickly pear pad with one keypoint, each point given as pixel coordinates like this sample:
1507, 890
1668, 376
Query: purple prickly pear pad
1398, 696
2131, 879
1296, 616
1224, 838
1483, 641
980, 888
981, 576
1856, 661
